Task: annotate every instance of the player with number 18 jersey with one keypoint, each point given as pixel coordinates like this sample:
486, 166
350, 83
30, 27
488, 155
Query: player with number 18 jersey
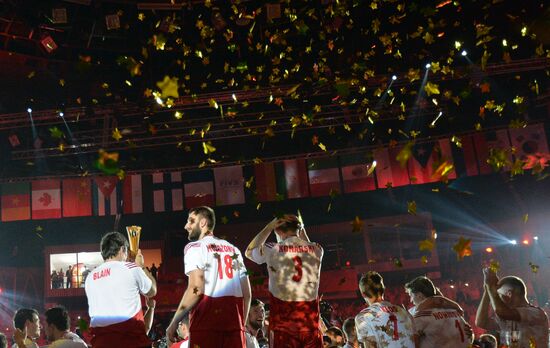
294, 265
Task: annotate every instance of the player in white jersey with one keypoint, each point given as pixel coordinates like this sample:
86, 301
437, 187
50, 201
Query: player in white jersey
520, 323
382, 324
294, 266
218, 292
113, 290
439, 322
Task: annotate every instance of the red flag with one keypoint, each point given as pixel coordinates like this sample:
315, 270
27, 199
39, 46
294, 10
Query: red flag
388, 170
529, 141
266, 186
77, 197
16, 203
324, 177
46, 199
132, 194
294, 179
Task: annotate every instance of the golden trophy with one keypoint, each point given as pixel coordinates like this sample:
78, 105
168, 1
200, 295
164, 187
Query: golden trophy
134, 233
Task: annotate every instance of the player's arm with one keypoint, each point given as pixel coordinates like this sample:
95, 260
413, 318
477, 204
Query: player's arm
261, 238
369, 342
141, 263
149, 314
303, 235
482, 314
190, 298
247, 296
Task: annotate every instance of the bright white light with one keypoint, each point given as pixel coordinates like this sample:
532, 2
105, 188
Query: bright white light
394, 77
374, 163
536, 238
466, 284
61, 114
428, 66
452, 286
513, 242
29, 110
464, 53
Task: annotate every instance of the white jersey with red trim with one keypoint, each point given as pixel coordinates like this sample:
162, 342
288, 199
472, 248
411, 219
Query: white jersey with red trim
388, 325
221, 307
532, 327
113, 290
294, 267
442, 328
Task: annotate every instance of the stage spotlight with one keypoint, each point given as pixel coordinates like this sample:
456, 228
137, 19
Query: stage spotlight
466, 284
525, 242
29, 110
428, 66
394, 77
61, 114
535, 238
464, 53
489, 250
513, 242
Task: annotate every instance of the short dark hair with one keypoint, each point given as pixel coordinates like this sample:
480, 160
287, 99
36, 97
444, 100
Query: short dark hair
372, 284
256, 302
422, 285
207, 213
59, 317
335, 331
3, 341
292, 223
349, 327
111, 244
515, 283
21, 317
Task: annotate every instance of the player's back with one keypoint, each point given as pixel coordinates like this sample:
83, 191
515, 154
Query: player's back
390, 326
221, 306
442, 328
294, 267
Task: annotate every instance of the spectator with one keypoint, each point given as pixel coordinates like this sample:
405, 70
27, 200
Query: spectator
27, 328
57, 330
488, 341
69, 274
183, 333
255, 323
154, 271
3, 341
350, 333
336, 335
519, 321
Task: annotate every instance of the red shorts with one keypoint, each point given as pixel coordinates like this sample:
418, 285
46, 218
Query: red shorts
303, 339
217, 339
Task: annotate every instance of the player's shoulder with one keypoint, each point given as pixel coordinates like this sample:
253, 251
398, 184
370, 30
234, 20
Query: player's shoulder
192, 245
130, 265
270, 245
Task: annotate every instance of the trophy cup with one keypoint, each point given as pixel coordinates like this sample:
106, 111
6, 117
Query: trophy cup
134, 233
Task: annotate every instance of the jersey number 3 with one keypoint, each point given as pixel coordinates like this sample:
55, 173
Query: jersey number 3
298, 268
227, 266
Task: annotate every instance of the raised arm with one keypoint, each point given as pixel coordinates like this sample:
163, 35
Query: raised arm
499, 307
190, 298
261, 237
141, 263
482, 315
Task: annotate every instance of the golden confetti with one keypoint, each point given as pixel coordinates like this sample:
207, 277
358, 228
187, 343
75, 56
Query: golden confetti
463, 248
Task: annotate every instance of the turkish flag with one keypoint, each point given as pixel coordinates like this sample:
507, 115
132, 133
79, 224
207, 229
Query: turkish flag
46, 199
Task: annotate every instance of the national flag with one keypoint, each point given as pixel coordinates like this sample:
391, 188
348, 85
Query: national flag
389, 172
167, 192
292, 178
229, 185
77, 197
484, 142
16, 202
199, 188
355, 173
427, 159
324, 176
106, 195
266, 183
529, 141
132, 194
464, 157
46, 199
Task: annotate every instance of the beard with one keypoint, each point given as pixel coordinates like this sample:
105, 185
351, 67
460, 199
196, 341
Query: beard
195, 234
256, 325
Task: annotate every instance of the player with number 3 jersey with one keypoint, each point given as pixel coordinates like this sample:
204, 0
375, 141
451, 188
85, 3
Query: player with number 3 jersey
294, 266
218, 292
382, 324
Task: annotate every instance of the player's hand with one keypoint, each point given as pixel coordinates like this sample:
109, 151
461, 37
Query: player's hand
140, 261
489, 277
171, 332
19, 337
